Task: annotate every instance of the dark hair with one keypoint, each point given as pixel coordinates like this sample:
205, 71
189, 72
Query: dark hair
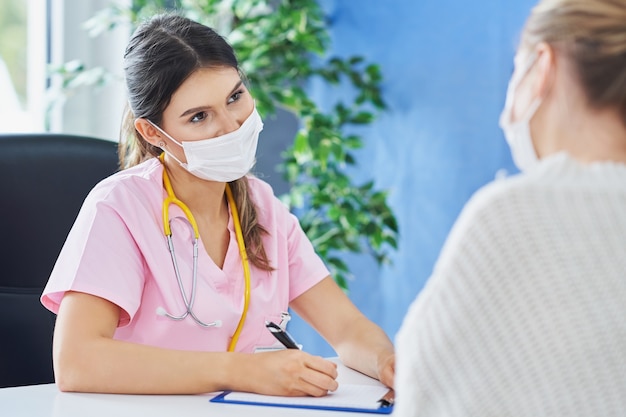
162, 53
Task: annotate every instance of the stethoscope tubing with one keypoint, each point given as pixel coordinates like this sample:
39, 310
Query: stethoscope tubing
194, 283
171, 199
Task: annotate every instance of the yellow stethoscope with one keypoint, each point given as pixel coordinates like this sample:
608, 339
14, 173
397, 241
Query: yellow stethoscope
171, 199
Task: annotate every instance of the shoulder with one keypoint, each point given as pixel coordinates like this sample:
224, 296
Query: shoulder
260, 189
519, 198
135, 178
273, 214
142, 182
558, 188
495, 204
263, 196
507, 223
496, 234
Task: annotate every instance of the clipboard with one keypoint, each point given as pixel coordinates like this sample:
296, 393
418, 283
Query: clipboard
313, 403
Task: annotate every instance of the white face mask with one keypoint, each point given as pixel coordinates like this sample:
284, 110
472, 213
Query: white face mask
517, 134
223, 158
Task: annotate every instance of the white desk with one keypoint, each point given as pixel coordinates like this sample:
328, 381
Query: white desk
46, 400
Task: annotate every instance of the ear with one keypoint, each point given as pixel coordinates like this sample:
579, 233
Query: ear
148, 132
545, 70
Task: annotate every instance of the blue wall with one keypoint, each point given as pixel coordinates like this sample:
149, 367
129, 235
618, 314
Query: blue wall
446, 64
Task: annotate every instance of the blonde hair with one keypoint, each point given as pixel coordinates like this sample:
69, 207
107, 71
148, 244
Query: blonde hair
592, 34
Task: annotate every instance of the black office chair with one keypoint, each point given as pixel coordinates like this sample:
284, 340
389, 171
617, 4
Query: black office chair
44, 179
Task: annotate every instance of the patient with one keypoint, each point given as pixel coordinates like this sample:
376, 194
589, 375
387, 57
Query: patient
524, 313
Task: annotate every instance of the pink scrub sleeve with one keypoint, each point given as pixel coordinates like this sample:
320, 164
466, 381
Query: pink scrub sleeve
305, 267
99, 257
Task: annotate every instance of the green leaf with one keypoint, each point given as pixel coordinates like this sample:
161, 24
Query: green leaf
363, 118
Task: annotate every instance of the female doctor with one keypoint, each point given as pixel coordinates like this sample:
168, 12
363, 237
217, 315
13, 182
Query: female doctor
137, 311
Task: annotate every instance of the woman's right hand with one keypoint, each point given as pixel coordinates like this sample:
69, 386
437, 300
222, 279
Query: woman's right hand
288, 372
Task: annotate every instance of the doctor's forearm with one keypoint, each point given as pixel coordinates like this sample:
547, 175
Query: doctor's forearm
87, 358
360, 343
110, 366
366, 348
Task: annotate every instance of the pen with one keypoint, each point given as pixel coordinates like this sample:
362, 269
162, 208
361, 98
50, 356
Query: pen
388, 399
282, 335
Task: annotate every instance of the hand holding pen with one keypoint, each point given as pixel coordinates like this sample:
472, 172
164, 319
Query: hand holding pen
296, 373
289, 342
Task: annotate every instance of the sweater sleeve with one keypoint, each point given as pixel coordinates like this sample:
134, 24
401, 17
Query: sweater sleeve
445, 367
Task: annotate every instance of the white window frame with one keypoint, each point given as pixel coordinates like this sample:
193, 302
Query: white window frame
90, 112
37, 61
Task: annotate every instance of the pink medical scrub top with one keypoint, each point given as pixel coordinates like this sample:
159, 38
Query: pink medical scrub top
117, 250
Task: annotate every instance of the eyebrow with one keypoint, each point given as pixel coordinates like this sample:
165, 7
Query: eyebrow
200, 108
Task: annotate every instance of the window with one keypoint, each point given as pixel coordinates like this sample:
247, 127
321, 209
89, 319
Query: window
36, 35
22, 65
89, 110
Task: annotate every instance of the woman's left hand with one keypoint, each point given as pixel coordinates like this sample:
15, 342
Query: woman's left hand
360, 343
387, 368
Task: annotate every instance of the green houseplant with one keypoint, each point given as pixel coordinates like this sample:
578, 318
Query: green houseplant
281, 46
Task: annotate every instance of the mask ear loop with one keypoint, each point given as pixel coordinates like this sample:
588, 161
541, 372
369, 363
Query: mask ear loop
161, 144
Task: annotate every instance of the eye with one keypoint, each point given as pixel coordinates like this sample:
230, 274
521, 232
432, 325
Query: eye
198, 117
236, 96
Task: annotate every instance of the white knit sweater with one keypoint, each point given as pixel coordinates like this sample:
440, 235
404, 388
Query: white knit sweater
525, 313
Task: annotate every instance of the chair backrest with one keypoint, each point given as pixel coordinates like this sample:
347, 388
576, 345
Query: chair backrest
44, 179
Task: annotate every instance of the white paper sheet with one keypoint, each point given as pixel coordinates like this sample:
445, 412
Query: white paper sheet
346, 396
